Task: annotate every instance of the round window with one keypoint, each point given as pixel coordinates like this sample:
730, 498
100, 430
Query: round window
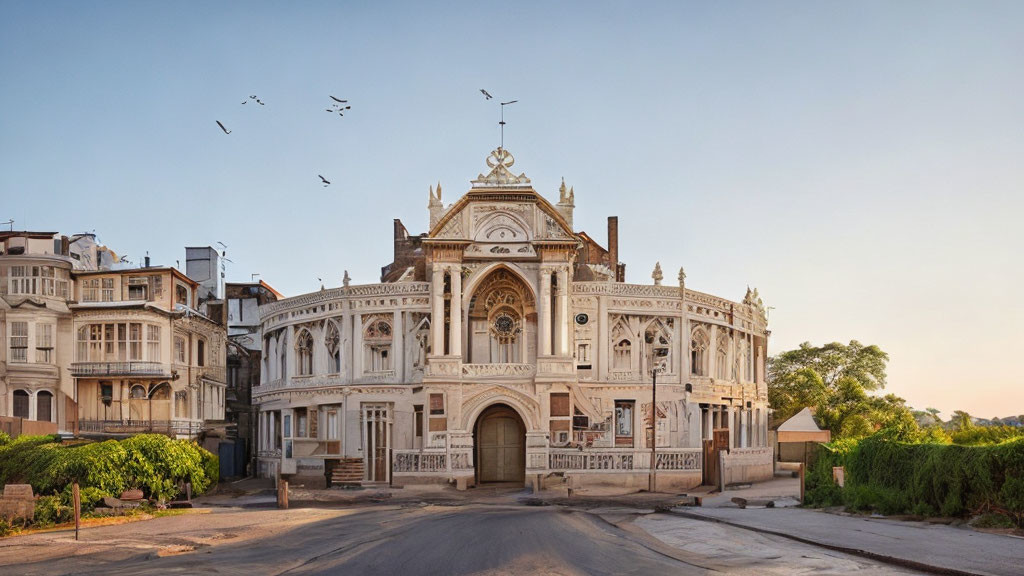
504, 324
582, 319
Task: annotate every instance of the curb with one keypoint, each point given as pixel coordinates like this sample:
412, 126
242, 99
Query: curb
896, 561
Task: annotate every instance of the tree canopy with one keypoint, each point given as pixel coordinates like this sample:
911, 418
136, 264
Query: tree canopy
835, 379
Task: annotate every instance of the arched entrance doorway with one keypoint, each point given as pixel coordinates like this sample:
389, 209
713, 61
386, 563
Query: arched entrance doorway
500, 442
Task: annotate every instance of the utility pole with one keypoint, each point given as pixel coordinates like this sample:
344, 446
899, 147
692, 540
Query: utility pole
654, 430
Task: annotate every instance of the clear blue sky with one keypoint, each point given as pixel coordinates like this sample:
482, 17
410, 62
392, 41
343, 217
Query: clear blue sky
858, 162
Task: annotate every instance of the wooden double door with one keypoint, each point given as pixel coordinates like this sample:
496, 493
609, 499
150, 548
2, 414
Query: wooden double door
500, 446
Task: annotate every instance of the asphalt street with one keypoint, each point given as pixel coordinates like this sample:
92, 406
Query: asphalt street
428, 540
423, 539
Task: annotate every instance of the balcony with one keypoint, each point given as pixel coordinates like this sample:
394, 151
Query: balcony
213, 373
107, 369
188, 428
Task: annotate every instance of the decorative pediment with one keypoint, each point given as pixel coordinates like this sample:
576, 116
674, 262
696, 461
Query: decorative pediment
501, 208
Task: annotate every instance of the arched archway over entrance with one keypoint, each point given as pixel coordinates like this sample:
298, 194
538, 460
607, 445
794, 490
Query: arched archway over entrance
499, 441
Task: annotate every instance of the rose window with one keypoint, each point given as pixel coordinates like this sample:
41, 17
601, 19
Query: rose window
504, 325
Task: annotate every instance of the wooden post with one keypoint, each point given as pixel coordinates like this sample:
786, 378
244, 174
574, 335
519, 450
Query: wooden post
801, 482
282, 495
76, 497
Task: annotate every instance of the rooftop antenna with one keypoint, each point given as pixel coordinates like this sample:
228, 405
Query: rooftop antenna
254, 276
502, 123
11, 224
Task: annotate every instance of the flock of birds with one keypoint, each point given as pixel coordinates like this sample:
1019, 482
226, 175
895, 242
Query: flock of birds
339, 106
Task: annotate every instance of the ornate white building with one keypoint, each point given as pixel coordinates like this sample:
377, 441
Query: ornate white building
503, 346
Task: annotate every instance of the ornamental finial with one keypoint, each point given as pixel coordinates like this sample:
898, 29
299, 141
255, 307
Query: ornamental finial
657, 275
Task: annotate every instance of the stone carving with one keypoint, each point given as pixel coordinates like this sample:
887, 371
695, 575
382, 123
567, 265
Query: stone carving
622, 289
452, 229
554, 230
490, 370
753, 300
657, 275
500, 161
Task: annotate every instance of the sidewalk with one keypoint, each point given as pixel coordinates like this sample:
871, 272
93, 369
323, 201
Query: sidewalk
920, 545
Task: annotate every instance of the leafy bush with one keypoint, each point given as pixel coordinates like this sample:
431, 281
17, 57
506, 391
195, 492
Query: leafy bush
978, 435
51, 510
992, 521
154, 463
894, 477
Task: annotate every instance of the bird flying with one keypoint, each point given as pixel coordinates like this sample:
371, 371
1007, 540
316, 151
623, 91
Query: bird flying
486, 94
325, 181
338, 99
226, 131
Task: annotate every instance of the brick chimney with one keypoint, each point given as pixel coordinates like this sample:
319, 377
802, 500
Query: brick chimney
613, 246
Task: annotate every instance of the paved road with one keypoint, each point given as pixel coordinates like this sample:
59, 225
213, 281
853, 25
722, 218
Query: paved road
429, 540
415, 539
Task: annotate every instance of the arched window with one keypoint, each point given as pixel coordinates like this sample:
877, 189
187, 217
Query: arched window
500, 315
138, 408
377, 340
623, 356
20, 404
658, 337
304, 353
722, 357
333, 344
44, 406
699, 352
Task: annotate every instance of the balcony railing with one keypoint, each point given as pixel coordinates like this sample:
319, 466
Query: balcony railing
671, 459
214, 373
171, 427
81, 369
500, 370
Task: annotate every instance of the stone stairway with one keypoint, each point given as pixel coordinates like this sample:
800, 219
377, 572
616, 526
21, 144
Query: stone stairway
347, 472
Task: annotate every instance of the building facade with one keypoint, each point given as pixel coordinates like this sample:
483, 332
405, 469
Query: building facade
145, 359
504, 346
244, 356
36, 328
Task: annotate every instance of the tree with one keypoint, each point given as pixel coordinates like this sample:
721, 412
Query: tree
961, 420
837, 375
935, 414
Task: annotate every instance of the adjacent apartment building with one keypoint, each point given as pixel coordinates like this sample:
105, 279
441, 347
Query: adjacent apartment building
145, 358
91, 349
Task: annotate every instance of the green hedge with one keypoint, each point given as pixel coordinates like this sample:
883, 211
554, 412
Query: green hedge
151, 462
926, 479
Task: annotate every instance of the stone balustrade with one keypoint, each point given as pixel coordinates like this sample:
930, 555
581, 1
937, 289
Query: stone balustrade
611, 460
497, 370
419, 461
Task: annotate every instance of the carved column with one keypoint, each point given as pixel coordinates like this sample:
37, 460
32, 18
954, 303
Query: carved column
437, 311
544, 313
398, 354
731, 423
744, 419
562, 313
711, 358
357, 346
455, 328
603, 347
